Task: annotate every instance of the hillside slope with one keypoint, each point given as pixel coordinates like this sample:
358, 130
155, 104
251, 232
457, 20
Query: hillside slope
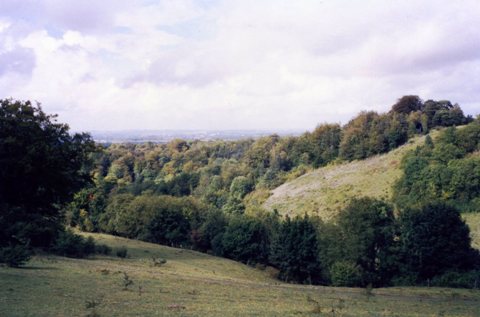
325, 190
195, 284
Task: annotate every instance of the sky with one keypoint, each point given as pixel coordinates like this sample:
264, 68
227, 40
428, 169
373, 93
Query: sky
213, 64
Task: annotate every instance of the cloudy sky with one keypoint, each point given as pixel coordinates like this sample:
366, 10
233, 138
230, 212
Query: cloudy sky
208, 64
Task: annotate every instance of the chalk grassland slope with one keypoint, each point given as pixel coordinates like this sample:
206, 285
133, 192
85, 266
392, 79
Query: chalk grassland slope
195, 284
325, 190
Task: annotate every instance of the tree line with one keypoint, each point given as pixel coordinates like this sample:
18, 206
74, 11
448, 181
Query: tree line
236, 176
207, 196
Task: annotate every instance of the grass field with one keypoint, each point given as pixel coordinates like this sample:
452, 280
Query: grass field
195, 284
326, 190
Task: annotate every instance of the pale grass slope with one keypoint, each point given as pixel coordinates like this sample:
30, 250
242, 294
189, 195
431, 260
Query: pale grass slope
325, 190
195, 284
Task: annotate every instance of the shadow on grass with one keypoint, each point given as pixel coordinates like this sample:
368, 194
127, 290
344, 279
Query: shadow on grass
33, 267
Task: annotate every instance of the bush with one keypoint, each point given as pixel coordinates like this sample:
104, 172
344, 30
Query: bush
121, 252
103, 249
345, 273
14, 256
456, 279
72, 245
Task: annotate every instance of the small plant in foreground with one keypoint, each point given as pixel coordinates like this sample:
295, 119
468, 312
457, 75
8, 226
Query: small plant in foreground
91, 306
122, 252
103, 249
126, 281
316, 309
369, 291
158, 261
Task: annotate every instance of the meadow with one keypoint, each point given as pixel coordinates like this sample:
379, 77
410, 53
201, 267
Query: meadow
196, 284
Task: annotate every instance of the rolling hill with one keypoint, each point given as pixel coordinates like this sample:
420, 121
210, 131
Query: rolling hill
325, 190
196, 284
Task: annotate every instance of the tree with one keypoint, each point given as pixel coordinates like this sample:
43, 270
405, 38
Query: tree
442, 171
407, 104
367, 229
295, 251
211, 232
169, 226
42, 166
246, 239
434, 240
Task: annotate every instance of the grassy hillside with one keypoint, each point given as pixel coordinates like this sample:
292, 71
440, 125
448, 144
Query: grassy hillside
325, 190
195, 284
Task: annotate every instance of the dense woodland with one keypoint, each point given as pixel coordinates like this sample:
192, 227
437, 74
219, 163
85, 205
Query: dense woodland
208, 196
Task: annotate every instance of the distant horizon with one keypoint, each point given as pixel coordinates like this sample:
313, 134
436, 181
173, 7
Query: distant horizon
196, 130
164, 136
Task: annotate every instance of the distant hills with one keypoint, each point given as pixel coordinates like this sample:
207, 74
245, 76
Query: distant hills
165, 136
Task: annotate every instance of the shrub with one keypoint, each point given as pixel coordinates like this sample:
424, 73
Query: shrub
103, 249
126, 281
89, 246
72, 245
345, 273
158, 261
14, 256
456, 279
121, 252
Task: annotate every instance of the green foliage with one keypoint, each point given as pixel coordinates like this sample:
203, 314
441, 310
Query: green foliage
15, 256
211, 233
407, 104
367, 228
121, 252
240, 187
317, 148
294, 251
345, 273
434, 240
470, 279
86, 208
246, 240
103, 249
73, 245
443, 171
370, 133
168, 226
221, 173
42, 167
160, 219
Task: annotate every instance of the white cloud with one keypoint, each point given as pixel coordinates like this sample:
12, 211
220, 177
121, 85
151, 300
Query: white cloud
236, 64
